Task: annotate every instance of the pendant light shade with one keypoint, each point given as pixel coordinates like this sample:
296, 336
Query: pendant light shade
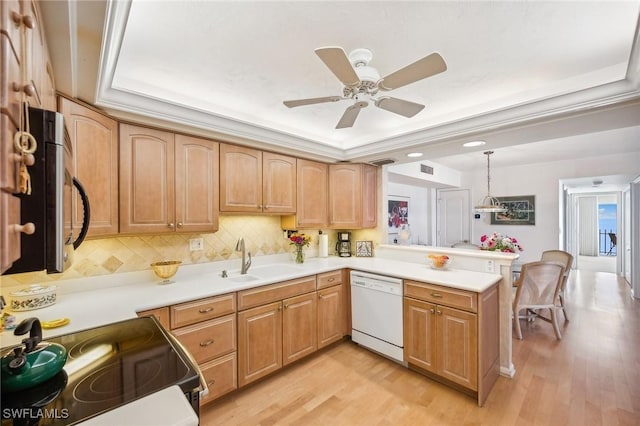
489, 204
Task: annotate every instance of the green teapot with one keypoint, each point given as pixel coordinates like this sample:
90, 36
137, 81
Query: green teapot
32, 363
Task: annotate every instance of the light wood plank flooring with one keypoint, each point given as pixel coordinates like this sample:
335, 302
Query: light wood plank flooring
590, 377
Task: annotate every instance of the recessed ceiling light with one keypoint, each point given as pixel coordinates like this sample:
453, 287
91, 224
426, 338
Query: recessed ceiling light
414, 154
473, 143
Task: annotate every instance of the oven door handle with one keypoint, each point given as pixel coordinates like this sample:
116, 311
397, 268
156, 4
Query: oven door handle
204, 389
86, 216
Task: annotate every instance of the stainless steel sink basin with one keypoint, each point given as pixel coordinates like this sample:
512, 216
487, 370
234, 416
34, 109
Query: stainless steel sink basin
243, 278
275, 270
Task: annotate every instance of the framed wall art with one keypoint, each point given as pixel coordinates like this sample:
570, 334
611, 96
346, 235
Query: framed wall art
364, 248
521, 210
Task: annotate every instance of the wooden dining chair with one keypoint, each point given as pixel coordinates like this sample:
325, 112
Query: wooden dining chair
566, 259
537, 289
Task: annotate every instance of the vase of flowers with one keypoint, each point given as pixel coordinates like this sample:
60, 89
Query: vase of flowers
299, 241
499, 242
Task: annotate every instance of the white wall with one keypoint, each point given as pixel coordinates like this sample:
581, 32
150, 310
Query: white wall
540, 180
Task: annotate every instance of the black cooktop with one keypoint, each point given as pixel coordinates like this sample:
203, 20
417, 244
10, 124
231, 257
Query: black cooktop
106, 367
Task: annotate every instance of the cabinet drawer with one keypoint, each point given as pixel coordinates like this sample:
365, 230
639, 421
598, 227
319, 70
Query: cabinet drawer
221, 376
328, 279
274, 292
201, 310
466, 300
210, 339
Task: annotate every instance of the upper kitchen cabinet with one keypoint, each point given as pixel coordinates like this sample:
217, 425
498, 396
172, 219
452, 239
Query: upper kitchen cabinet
352, 196
312, 197
158, 191
252, 181
95, 145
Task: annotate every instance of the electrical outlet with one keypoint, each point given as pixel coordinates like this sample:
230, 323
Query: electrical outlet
490, 266
196, 244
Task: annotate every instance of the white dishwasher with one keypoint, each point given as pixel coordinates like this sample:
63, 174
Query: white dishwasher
376, 313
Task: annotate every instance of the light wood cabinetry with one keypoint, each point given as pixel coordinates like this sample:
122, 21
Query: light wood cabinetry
19, 20
452, 335
161, 314
312, 197
95, 145
158, 191
276, 327
352, 196
332, 307
208, 330
253, 181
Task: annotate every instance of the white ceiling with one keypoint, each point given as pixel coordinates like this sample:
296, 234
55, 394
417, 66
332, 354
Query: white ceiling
536, 73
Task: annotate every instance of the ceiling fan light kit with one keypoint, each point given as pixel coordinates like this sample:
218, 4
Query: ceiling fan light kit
489, 204
362, 82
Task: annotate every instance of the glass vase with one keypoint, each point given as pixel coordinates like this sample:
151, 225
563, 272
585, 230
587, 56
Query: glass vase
299, 254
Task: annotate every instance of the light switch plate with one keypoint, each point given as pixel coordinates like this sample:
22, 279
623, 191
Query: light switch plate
196, 244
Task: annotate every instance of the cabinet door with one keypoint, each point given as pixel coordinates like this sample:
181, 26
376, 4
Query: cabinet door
457, 342
197, 186
146, 180
240, 179
95, 145
259, 342
9, 238
299, 330
278, 183
369, 196
330, 315
312, 194
420, 334
345, 196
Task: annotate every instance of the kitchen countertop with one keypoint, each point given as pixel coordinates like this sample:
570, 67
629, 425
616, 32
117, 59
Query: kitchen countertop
89, 305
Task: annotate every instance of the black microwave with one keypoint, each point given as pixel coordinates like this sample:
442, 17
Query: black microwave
51, 202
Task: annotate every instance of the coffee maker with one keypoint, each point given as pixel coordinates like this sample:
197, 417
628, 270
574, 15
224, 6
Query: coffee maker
343, 246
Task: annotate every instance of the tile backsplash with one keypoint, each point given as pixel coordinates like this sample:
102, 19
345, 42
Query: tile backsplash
262, 235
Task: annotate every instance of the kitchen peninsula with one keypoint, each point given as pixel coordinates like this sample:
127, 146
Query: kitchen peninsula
137, 292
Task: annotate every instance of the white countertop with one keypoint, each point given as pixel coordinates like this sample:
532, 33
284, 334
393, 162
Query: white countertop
94, 302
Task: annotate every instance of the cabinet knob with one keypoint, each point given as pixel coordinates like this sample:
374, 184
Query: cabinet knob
180, 224
170, 225
28, 228
437, 295
28, 88
433, 311
205, 310
331, 280
439, 312
207, 343
29, 159
18, 19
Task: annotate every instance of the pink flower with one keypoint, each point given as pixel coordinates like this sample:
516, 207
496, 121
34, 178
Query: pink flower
483, 238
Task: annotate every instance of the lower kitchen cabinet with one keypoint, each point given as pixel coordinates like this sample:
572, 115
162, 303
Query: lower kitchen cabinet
221, 376
453, 336
299, 330
259, 342
331, 316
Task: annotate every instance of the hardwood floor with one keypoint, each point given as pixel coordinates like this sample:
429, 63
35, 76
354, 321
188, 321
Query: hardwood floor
590, 377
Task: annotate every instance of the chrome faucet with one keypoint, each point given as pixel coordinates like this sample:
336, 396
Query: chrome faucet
245, 263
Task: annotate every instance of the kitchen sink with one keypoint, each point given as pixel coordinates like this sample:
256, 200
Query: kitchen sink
243, 278
274, 270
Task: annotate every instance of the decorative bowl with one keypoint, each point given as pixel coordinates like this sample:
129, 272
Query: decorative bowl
438, 261
166, 269
32, 297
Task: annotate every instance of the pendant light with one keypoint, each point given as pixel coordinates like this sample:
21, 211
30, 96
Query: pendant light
489, 204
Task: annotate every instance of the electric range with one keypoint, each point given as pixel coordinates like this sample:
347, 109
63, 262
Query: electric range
106, 367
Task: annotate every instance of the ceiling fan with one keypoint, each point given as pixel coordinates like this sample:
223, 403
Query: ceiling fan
362, 82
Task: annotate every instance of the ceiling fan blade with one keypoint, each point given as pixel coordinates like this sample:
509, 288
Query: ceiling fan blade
399, 106
350, 115
311, 101
423, 68
337, 61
